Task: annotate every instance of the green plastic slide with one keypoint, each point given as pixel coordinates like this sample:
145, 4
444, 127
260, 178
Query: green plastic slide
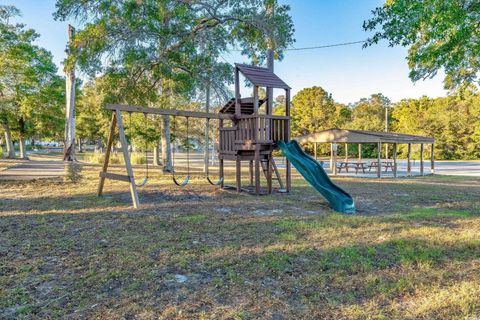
314, 173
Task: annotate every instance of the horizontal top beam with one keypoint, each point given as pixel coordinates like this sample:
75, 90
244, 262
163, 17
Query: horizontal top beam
168, 112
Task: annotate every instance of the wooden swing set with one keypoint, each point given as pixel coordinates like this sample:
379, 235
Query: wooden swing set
252, 136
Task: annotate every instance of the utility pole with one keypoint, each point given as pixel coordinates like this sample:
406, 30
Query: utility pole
386, 130
270, 58
69, 147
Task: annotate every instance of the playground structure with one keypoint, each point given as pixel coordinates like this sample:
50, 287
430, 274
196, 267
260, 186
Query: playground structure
253, 136
248, 131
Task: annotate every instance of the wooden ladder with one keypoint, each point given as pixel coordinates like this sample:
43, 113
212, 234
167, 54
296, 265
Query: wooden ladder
277, 177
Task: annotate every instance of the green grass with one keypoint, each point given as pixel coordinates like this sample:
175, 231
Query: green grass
412, 253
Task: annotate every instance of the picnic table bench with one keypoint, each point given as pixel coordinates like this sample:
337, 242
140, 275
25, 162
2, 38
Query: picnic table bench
355, 165
385, 164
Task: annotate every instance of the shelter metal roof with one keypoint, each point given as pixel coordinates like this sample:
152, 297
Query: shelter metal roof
361, 136
261, 76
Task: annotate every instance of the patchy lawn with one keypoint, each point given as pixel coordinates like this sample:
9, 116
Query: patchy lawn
411, 252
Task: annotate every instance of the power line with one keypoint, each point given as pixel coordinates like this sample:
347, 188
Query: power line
310, 48
326, 46
320, 47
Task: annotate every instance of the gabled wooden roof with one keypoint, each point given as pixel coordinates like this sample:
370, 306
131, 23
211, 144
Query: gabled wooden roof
361, 136
261, 77
246, 106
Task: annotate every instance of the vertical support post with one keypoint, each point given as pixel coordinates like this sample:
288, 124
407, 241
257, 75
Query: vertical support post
250, 169
287, 136
269, 174
255, 100
239, 174
331, 157
237, 92
126, 157
220, 163
394, 160
432, 158
257, 169
359, 152
386, 130
315, 150
346, 152
335, 161
409, 158
379, 160
111, 136
421, 159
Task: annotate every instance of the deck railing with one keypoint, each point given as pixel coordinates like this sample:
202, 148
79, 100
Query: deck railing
253, 129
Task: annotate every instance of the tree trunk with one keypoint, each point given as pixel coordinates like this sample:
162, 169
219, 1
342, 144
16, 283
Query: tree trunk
69, 149
207, 109
166, 146
156, 152
80, 146
23, 148
8, 141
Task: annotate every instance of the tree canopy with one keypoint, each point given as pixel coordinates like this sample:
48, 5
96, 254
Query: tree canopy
439, 34
30, 90
149, 41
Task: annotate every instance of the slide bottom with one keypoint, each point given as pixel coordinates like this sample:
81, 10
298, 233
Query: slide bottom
314, 173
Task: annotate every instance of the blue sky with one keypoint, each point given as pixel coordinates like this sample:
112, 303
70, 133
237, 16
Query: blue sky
349, 72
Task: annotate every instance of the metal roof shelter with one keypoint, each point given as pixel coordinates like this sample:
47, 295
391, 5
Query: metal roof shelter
346, 136
362, 136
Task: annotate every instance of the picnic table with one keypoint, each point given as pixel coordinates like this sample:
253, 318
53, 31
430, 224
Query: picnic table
355, 165
385, 164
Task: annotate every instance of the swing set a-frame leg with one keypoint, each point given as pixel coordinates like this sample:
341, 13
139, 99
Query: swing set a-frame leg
117, 121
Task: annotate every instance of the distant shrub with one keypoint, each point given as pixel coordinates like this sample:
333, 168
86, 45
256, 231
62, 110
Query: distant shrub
137, 158
100, 158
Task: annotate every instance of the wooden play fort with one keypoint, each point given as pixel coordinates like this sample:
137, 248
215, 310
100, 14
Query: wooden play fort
248, 132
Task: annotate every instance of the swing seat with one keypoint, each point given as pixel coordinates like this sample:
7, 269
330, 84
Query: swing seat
143, 183
219, 182
183, 183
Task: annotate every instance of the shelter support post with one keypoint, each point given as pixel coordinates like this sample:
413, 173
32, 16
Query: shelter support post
331, 157
394, 160
346, 152
409, 158
432, 158
421, 159
334, 168
359, 152
315, 150
379, 162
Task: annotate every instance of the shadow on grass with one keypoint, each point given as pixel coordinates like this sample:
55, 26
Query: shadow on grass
108, 257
